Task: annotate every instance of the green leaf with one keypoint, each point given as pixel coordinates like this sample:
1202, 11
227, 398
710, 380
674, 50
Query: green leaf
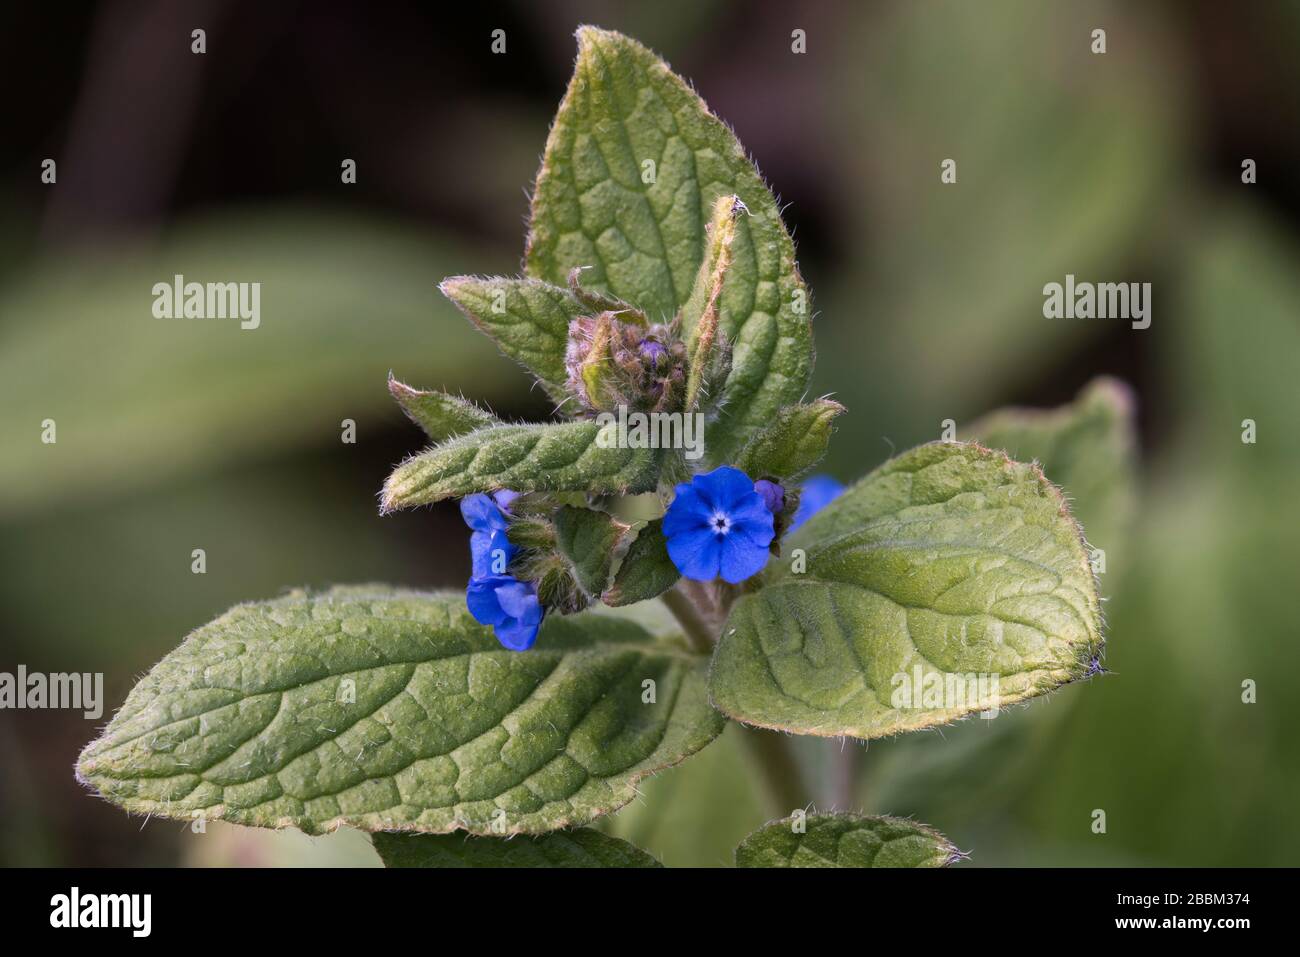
1088, 447
846, 840
528, 319
644, 241
586, 539
950, 564
646, 571
250, 721
578, 848
527, 458
595, 302
442, 416
793, 442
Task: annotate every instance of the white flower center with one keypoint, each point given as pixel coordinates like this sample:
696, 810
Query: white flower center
720, 523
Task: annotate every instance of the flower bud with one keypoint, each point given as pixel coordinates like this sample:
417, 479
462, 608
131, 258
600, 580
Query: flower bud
612, 363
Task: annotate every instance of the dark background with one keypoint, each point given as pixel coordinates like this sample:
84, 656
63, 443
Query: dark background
172, 436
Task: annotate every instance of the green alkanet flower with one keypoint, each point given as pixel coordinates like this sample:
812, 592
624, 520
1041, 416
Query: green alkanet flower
719, 526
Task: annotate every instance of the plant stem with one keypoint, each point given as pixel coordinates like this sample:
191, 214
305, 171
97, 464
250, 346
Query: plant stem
688, 616
844, 770
780, 771
769, 750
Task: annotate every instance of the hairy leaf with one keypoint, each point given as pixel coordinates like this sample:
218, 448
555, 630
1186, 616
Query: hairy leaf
846, 840
1088, 447
586, 539
646, 571
528, 319
527, 458
595, 302
582, 847
391, 710
948, 581
442, 416
793, 442
597, 205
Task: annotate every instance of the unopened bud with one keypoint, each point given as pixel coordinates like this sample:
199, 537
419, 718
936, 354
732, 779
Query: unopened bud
612, 363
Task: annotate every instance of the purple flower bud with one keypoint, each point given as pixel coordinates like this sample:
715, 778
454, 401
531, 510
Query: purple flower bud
773, 495
652, 350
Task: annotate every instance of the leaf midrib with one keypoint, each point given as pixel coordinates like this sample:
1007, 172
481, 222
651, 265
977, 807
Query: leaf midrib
627, 142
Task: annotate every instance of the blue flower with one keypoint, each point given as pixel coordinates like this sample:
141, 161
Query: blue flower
718, 525
489, 549
818, 492
494, 597
509, 606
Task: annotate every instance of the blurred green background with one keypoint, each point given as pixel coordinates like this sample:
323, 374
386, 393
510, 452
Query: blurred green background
180, 435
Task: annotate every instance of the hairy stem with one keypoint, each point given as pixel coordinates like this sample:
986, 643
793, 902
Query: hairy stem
775, 761
769, 750
688, 616
845, 766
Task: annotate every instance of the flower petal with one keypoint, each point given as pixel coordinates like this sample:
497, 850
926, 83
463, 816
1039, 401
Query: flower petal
754, 534
687, 513
516, 597
696, 554
752, 512
504, 497
728, 487
741, 559
518, 635
481, 513
481, 599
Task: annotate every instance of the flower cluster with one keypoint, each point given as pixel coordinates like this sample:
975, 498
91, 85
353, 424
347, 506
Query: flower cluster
721, 524
612, 363
494, 596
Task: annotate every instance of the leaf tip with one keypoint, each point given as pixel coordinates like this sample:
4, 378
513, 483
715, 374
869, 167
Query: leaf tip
1113, 391
399, 390
83, 768
388, 496
451, 286
589, 35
